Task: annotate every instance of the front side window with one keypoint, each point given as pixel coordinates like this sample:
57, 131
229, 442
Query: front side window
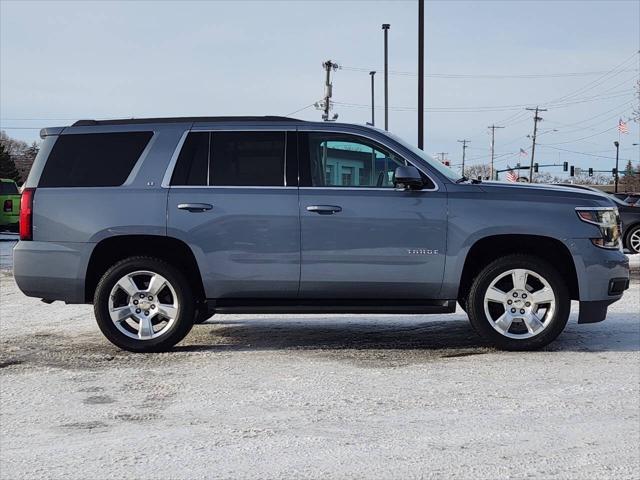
340, 160
231, 159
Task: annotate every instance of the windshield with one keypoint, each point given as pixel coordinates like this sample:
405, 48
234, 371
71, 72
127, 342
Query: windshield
440, 167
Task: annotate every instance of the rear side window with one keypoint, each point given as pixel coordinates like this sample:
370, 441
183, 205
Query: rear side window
193, 162
8, 188
232, 159
94, 159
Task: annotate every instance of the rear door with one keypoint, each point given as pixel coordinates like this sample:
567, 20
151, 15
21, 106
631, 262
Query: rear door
361, 238
233, 203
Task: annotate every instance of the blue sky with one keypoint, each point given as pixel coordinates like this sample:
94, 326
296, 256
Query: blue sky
60, 61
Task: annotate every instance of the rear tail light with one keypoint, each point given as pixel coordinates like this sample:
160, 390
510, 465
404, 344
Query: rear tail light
26, 214
8, 206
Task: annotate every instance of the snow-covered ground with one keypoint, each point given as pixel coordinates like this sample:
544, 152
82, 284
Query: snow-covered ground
295, 396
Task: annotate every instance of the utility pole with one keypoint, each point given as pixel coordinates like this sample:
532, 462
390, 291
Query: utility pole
464, 151
536, 119
493, 149
373, 114
386, 27
325, 105
617, 145
421, 74
443, 156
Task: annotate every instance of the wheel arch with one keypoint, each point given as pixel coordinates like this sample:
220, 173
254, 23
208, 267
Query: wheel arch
110, 250
487, 249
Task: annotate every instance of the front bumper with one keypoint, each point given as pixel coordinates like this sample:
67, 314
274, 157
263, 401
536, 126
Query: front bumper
603, 275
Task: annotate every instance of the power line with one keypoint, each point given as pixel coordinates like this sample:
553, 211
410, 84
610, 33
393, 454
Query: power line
581, 153
299, 110
584, 138
487, 76
521, 115
480, 109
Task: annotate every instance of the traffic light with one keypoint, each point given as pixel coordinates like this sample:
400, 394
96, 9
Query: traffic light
591, 172
572, 171
614, 171
565, 166
535, 167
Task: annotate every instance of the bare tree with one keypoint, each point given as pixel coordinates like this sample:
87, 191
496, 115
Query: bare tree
22, 154
478, 170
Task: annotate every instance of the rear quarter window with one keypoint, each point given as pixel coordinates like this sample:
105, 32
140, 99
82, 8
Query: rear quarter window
93, 159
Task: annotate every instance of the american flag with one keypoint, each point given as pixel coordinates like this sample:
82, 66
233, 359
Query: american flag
523, 152
622, 126
511, 175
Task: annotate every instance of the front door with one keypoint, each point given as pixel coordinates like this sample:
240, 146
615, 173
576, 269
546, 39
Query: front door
230, 202
361, 238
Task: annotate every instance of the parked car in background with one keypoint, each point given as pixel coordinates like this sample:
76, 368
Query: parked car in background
633, 199
9, 203
161, 223
629, 216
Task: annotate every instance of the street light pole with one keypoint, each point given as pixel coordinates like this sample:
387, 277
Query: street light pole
386, 27
421, 74
373, 114
617, 145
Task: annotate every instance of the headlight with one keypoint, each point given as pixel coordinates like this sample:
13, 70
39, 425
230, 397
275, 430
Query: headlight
607, 220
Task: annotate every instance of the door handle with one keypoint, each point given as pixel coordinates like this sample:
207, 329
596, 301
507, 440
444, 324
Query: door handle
195, 207
324, 209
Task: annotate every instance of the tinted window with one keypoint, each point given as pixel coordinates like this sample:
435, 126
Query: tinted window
337, 160
232, 159
193, 162
247, 158
93, 160
8, 188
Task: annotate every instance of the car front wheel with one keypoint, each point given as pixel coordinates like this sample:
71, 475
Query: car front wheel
144, 304
633, 239
519, 302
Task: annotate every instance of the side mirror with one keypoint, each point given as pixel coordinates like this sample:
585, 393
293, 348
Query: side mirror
408, 177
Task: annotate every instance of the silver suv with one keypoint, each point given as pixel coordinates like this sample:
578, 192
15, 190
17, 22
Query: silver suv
160, 223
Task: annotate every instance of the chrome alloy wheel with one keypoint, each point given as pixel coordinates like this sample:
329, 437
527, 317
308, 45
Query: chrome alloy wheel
143, 305
519, 304
634, 241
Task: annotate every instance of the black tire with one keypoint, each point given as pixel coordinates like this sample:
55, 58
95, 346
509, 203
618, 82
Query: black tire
557, 322
627, 240
183, 320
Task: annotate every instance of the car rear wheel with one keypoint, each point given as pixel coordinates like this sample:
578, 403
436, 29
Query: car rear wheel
519, 302
144, 304
633, 239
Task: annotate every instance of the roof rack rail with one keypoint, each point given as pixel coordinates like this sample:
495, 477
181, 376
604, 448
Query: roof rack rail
137, 121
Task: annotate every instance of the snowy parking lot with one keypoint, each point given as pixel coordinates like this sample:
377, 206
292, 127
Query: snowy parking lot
295, 396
